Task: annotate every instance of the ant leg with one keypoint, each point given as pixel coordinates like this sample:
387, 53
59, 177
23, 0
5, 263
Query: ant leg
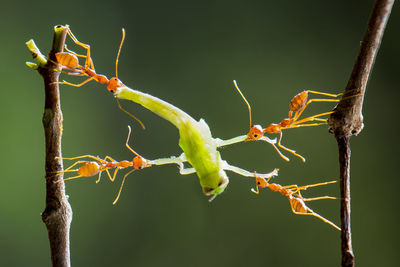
298, 124
308, 211
73, 71
114, 175
88, 61
69, 169
297, 190
272, 142
246, 138
279, 152
312, 213
109, 158
319, 198
304, 125
294, 188
299, 112
313, 118
304, 187
287, 149
70, 178
106, 169
76, 85
323, 121
122, 184
86, 46
90, 64
73, 53
325, 94
98, 179
84, 156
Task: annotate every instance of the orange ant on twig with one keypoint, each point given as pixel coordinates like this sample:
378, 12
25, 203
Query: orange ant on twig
297, 106
296, 200
69, 61
92, 168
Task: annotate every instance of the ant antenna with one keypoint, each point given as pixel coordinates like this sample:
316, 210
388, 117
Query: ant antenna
245, 100
124, 110
116, 75
119, 51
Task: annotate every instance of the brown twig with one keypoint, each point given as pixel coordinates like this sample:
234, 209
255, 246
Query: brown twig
347, 120
58, 213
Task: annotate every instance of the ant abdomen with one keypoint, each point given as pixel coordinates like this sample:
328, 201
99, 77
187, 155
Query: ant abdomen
89, 169
298, 101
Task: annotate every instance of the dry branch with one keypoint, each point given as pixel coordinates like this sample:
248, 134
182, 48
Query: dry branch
347, 120
58, 213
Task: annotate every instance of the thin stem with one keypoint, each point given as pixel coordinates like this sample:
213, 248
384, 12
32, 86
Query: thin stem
345, 211
347, 120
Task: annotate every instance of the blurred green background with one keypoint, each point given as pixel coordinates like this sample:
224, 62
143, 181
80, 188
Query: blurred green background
188, 53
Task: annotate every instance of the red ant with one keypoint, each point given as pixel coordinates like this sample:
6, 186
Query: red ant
297, 106
69, 60
92, 168
296, 200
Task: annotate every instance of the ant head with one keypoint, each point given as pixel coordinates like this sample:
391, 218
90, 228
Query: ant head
261, 182
113, 84
255, 133
139, 163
